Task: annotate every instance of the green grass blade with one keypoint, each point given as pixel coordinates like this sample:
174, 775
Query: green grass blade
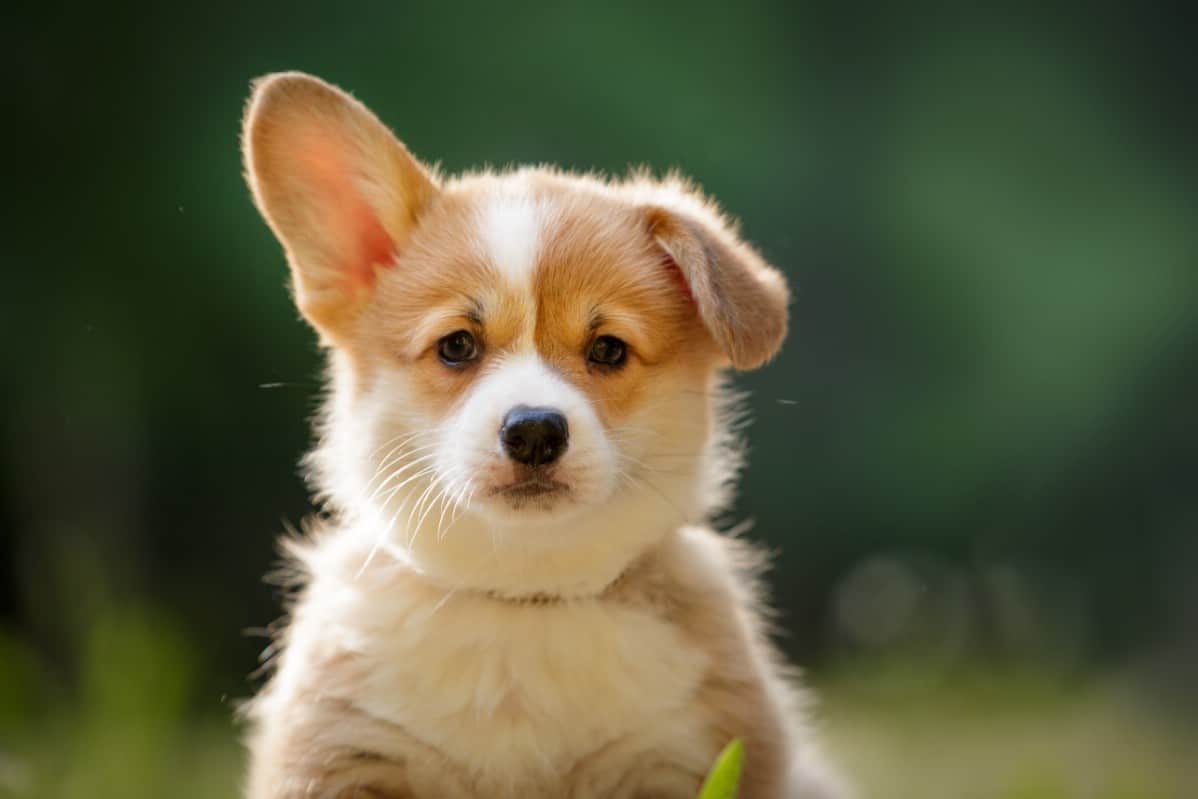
721, 782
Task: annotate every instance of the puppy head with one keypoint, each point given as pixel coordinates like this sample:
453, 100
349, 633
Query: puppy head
522, 361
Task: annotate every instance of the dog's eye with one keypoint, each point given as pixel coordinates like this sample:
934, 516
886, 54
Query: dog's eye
457, 348
608, 351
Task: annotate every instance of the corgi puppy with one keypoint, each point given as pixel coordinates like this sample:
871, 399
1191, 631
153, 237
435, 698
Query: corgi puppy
512, 592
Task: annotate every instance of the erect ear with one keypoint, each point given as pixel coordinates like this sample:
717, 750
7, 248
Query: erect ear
741, 299
339, 191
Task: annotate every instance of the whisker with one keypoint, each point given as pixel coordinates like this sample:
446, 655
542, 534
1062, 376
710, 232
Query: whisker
461, 508
397, 456
445, 500
382, 534
394, 455
443, 481
417, 508
390, 524
398, 472
682, 518
287, 384
398, 453
405, 436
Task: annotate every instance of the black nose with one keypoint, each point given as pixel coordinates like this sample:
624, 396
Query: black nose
534, 436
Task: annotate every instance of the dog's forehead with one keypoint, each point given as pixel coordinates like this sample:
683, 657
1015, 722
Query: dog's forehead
510, 223
547, 237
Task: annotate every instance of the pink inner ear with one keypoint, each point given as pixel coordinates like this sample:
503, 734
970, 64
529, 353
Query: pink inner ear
363, 242
675, 272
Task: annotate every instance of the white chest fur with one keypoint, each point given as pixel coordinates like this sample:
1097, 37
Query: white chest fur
511, 691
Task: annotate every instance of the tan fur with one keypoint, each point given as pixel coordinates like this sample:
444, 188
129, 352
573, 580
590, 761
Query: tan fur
741, 298
598, 643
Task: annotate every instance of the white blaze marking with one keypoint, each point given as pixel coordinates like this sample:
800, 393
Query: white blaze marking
510, 228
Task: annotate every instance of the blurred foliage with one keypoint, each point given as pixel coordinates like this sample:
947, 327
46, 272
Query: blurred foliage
1005, 733
124, 729
978, 445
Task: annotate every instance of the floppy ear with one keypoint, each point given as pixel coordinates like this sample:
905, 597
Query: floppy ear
339, 191
741, 299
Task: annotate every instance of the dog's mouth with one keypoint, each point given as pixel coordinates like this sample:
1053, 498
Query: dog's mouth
530, 488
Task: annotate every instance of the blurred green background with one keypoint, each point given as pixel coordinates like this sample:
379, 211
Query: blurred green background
977, 455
